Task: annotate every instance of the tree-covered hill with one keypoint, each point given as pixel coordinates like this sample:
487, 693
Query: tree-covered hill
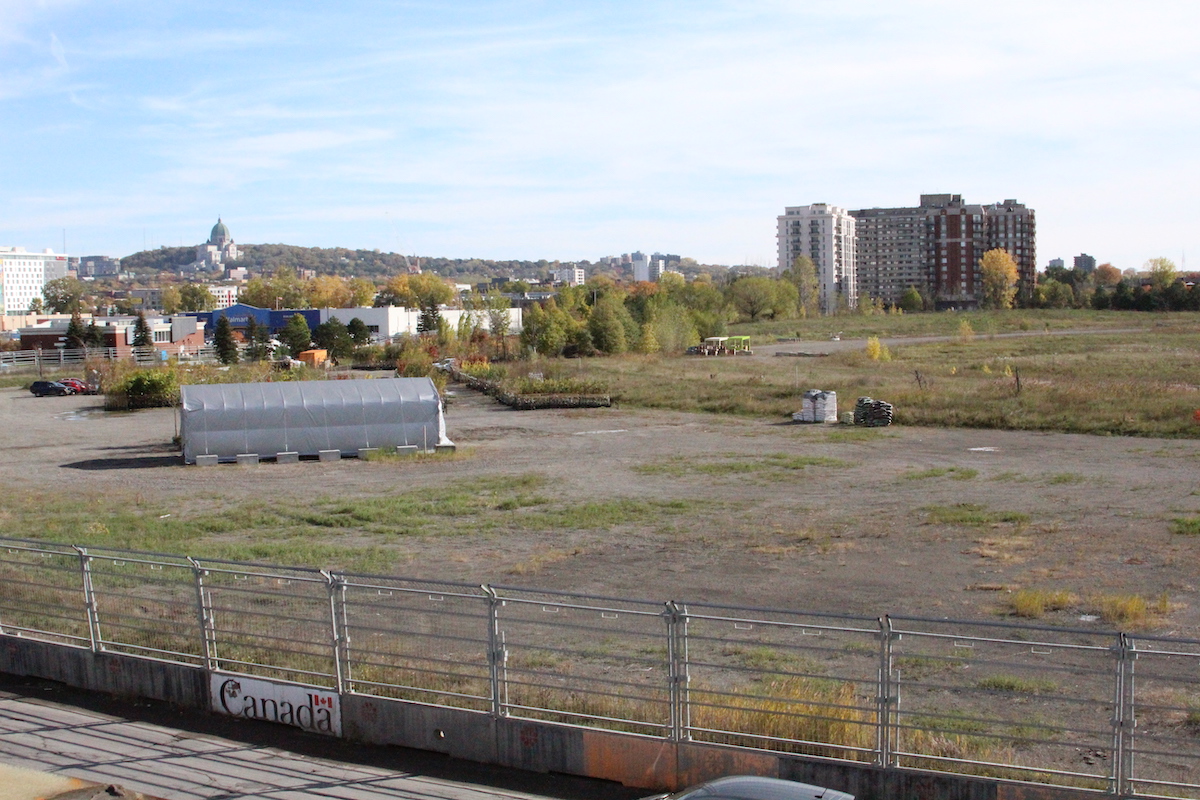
260, 258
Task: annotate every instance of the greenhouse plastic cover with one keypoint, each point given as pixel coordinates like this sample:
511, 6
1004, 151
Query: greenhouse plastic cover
307, 417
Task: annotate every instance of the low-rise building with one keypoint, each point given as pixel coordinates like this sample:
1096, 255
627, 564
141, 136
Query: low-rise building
225, 296
170, 334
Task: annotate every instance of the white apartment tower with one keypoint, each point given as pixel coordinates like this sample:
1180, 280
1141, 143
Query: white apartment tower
824, 233
23, 275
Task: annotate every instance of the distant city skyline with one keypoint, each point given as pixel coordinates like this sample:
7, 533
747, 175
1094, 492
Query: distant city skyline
516, 130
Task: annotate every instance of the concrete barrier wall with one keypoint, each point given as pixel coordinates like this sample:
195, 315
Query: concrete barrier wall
111, 673
633, 760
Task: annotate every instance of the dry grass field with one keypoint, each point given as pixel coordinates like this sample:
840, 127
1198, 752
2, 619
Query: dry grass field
665, 502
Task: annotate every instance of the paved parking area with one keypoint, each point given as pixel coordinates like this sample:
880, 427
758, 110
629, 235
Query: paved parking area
176, 764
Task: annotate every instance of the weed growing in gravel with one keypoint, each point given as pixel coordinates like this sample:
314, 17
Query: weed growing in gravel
972, 514
1034, 603
1130, 610
1017, 684
1067, 477
732, 464
1186, 526
955, 473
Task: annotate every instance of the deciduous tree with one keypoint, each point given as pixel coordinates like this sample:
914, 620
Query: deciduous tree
998, 273
196, 297
63, 295
1107, 275
1162, 272
752, 297
803, 275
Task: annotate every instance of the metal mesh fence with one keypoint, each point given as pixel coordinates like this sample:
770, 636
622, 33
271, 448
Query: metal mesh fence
146, 605
801, 683
272, 622
421, 641
43, 593
1097, 710
1164, 716
584, 660
1028, 703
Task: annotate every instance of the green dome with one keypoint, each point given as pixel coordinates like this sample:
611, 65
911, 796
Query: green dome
220, 233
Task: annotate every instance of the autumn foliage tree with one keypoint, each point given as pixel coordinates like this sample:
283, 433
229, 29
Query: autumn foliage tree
998, 273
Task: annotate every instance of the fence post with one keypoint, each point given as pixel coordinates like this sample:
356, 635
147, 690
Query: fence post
205, 617
337, 627
1123, 721
497, 654
883, 700
89, 599
677, 666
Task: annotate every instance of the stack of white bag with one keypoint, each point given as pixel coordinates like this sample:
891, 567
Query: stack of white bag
817, 406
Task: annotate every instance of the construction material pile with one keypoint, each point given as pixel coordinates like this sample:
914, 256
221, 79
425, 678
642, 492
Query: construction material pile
817, 406
872, 413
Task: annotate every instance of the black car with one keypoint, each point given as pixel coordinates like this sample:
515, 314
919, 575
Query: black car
752, 787
43, 388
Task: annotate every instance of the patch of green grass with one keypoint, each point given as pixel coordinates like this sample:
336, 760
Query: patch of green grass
732, 464
844, 434
1016, 684
1186, 526
1033, 603
362, 534
1066, 478
972, 514
955, 473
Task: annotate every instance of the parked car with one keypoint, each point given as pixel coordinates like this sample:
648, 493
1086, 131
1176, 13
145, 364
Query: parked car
43, 388
77, 385
752, 787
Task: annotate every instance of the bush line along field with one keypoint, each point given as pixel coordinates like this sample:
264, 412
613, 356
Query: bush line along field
1141, 383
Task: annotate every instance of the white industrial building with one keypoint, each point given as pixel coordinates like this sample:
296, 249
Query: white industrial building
824, 233
390, 321
23, 275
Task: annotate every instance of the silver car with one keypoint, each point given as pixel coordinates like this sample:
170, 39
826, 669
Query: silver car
752, 787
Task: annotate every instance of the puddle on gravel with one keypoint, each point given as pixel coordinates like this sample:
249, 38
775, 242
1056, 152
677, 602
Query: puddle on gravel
81, 414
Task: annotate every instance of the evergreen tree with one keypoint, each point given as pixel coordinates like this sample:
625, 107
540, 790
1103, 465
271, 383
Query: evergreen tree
333, 337
227, 350
141, 332
257, 337
430, 319
359, 331
296, 335
93, 336
76, 333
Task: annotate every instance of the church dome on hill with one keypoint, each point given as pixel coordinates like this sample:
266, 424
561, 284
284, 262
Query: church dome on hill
216, 252
220, 234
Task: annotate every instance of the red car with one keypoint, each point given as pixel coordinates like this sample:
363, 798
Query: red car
78, 386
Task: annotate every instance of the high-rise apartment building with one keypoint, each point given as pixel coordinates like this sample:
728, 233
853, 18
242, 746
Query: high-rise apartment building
1085, 263
22, 276
824, 233
936, 248
892, 249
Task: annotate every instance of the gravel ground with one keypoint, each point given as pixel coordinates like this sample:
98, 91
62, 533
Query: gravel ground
853, 536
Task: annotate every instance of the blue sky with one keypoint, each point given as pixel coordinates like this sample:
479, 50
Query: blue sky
575, 130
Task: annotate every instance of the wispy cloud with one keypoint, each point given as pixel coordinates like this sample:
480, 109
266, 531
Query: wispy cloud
571, 130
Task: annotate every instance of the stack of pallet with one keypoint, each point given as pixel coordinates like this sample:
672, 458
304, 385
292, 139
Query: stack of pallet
817, 406
872, 413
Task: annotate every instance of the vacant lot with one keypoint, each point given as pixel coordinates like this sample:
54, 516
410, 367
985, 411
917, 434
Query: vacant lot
657, 504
